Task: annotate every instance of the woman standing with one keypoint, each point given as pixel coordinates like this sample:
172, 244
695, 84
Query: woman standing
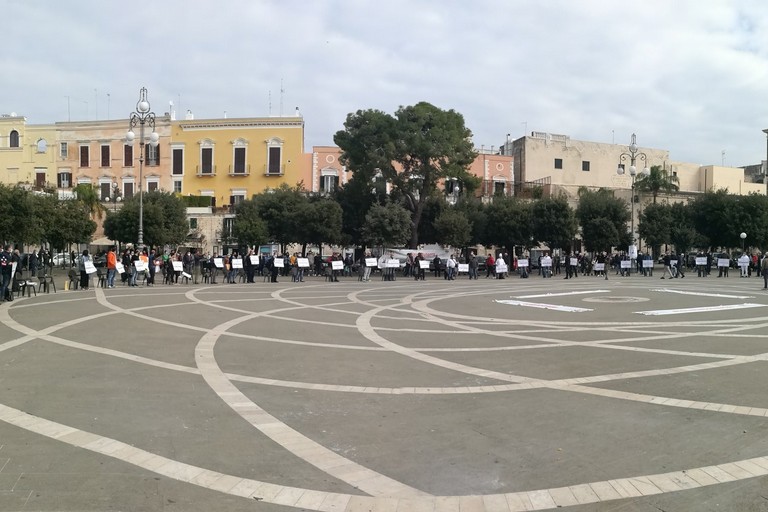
84, 280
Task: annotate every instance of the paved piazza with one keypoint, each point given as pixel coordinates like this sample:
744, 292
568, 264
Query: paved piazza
631, 394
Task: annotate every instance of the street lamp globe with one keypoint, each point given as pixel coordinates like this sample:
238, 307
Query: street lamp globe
632, 171
129, 137
743, 236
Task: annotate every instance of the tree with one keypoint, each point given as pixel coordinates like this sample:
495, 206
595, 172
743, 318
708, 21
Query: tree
655, 224
413, 151
70, 221
713, 215
355, 199
164, 219
453, 228
509, 223
86, 194
553, 222
603, 206
658, 180
387, 226
277, 207
320, 222
248, 228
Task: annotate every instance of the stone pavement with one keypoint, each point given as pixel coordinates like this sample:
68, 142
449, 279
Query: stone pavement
510, 395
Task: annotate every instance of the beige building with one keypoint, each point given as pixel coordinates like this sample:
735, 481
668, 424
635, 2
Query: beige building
27, 153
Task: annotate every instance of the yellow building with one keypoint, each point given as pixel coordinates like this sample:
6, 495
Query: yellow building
27, 153
230, 160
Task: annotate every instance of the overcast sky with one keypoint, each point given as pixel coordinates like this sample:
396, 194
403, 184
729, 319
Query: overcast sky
689, 76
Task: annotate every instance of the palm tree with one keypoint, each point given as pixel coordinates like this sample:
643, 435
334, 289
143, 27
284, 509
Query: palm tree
86, 194
658, 180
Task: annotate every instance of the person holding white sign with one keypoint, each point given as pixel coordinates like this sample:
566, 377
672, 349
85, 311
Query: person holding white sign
743, 262
84, 279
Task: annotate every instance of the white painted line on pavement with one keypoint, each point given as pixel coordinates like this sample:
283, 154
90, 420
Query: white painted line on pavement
704, 309
560, 294
553, 307
701, 294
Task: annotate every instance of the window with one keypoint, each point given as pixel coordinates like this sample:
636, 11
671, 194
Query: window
153, 155
193, 223
226, 228
40, 178
177, 157
558, 163
63, 150
236, 199
105, 155
152, 185
64, 179
328, 183
105, 190
84, 156
499, 188
206, 159
177, 186
585, 165
127, 156
42, 146
239, 167
273, 161
14, 139
128, 189
674, 173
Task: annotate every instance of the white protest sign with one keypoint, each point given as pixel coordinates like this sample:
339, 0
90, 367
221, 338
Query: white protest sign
723, 262
392, 264
184, 274
218, 262
371, 262
425, 265
303, 262
279, 263
177, 266
90, 268
600, 266
701, 260
237, 262
522, 263
672, 263
337, 265
574, 262
626, 264
139, 264
500, 269
546, 261
647, 263
13, 268
463, 267
119, 268
254, 259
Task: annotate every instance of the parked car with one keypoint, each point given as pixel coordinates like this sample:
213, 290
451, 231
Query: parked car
481, 266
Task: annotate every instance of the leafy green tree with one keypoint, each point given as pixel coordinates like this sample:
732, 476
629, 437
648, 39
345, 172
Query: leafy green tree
434, 207
70, 222
387, 226
453, 228
602, 205
509, 223
599, 234
355, 199
320, 222
475, 212
657, 181
165, 220
248, 227
87, 194
553, 222
413, 150
278, 207
713, 215
654, 225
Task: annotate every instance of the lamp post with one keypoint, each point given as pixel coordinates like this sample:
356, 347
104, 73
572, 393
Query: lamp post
115, 197
141, 117
632, 155
743, 236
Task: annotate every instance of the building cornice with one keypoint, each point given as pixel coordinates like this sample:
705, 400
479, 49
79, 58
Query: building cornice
226, 124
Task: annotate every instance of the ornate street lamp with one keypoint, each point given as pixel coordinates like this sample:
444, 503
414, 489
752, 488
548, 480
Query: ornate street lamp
632, 155
141, 117
743, 236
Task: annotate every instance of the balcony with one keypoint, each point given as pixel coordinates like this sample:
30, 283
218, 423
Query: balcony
238, 170
206, 170
270, 172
